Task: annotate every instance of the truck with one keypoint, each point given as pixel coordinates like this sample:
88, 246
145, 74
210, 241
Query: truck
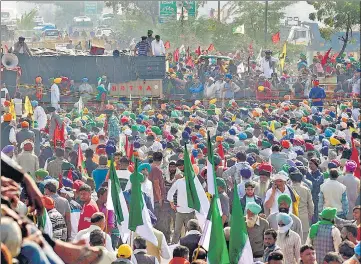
81, 24
308, 34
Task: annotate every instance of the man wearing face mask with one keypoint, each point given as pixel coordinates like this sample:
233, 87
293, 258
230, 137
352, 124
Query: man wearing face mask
284, 202
288, 240
256, 227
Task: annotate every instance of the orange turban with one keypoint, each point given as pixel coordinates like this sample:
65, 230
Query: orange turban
7, 117
48, 202
24, 124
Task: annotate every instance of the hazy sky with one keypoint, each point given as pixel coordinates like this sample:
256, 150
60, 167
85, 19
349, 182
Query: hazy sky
300, 9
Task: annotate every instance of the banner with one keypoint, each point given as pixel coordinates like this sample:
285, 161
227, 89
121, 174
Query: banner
138, 88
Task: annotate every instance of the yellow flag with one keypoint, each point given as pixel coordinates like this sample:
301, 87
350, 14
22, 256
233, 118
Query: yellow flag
283, 56
28, 107
12, 109
234, 118
272, 126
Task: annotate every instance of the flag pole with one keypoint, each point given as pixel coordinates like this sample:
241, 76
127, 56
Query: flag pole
197, 252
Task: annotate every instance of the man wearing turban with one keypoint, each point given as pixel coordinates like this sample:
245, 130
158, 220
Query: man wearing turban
284, 203
288, 240
39, 115
352, 185
256, 226
57, 220
324, 235
224, 199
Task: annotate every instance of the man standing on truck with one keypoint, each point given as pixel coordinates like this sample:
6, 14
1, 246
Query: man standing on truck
21, 47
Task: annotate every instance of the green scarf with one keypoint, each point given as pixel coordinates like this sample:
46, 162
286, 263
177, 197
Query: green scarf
314, 227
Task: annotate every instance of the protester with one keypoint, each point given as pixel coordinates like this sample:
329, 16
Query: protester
124, 255
284, 203
97, 222
279, 151
192, 237
89, 207
288, 240
256, 227
57, 220
96, 239
323, 235
308, 254
270, 242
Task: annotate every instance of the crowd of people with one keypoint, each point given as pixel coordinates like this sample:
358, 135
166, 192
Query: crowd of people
294, 164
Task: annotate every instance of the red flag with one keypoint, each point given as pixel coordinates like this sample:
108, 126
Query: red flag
130, 152
325, 58
60, 181
276, 37
211, 48
167, 45
198, 51
70, 174
193, 161
356, 158
80, 157
126, 145
220, 151
59, 135
176, 55
250, 50
190, 62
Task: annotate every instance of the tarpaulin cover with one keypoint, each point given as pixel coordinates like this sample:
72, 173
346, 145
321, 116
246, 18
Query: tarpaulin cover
117, 69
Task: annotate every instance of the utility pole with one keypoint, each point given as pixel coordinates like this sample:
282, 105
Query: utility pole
265, 23
219, 11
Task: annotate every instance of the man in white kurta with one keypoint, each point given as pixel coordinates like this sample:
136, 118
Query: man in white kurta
55, 96
39, 115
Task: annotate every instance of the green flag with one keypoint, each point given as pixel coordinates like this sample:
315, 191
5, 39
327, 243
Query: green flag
240, 250
136, 199
115, 191
192, 196
211, 173
217, 251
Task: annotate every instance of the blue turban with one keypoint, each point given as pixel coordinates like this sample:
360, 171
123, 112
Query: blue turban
67, 182
242, 136
185, 135
85, 79
7, 149
251, 160
284, 218
34, 103
144, 166
246, 173
228, 75
328, 133
232, 131
136, 144
195, 153
270, 137
253, 207
188, 129
324, 151
357, 249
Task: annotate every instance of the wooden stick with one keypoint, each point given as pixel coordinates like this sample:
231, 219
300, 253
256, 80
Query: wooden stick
196, 256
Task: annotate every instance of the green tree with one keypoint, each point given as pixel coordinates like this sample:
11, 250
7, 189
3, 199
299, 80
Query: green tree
26, 22
252, 15
340, 15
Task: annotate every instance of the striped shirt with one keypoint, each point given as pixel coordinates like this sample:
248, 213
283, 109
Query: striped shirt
290, 244
59, 225
142, 48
